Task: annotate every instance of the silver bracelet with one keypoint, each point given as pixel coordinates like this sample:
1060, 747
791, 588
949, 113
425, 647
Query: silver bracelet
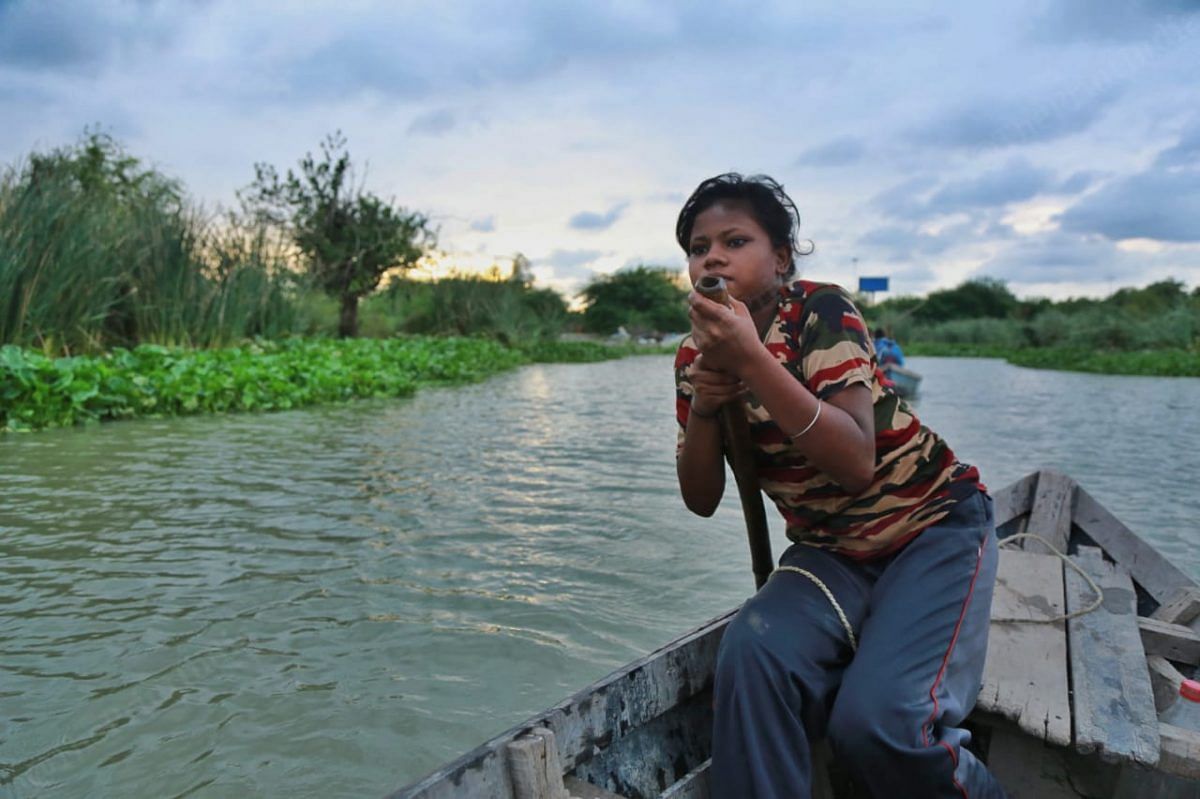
792, 438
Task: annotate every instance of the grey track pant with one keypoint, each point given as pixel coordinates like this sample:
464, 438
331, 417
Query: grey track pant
786, 675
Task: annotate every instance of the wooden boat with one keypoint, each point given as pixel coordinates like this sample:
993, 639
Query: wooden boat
904, 381
1068, 708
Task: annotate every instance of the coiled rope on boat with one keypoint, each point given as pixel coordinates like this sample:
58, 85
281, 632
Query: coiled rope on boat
1096, 603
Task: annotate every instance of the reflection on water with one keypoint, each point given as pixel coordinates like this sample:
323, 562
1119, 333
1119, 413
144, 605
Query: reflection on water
336, 600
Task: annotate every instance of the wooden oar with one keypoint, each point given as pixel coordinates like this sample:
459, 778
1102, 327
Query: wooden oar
735, 432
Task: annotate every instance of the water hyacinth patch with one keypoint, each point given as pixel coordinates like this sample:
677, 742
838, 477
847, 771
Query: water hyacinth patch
37, 391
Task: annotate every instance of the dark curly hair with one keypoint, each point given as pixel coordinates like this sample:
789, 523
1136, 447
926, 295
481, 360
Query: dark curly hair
766, 200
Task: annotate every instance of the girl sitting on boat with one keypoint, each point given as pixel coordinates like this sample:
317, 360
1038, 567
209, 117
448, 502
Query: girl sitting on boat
873, 631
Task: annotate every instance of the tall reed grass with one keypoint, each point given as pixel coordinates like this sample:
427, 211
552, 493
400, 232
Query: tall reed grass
96, 253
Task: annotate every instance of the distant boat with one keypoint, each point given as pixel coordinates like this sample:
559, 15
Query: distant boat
1069, 706
904, 381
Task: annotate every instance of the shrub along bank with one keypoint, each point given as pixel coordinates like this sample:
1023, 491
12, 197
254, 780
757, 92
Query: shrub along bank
1166, 362
37, 391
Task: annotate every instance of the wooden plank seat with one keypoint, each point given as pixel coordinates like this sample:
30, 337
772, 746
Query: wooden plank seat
1056, 693
1113, 707
1025, 679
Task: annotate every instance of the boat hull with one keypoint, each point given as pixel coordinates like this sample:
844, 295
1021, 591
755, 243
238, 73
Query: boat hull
905, 382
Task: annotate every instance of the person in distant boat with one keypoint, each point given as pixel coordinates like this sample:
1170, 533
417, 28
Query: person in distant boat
880, 511
886, 349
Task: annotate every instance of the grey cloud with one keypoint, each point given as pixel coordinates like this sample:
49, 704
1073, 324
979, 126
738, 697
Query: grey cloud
48, 36
351, 64
75, 36
668, 197
996, 229
591, 220
1059, 257
1157, 204
1112, 20
1016, 181
907, 277
902, 200
1001, 123
485, 225
903, 244
1079, 181
1185, 152
434, 123
838, 152
475, 45
478, 44
571, 263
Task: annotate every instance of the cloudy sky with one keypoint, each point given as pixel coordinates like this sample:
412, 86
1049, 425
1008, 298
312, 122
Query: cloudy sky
1053, 145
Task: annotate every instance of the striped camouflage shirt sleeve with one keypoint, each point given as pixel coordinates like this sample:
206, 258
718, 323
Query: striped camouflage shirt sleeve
835, 351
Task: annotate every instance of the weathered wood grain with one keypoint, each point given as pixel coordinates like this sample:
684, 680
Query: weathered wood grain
1155, 574
592, 720
533, 764
1172, 641
1025, 677
648, 759
694, 785
578, 789
1165, 679
1027, 767
1014, 500
1180, 751
1180, 608
1113, 704
1050, 517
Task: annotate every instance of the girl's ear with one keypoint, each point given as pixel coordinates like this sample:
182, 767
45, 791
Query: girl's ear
783, 260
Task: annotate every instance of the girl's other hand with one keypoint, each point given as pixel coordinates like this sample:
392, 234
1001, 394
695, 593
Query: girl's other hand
725, 335
712, 388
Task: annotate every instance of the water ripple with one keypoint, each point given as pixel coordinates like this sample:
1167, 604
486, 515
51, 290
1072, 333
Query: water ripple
336, 600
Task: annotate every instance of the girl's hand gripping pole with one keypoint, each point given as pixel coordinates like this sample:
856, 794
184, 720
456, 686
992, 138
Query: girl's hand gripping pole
735, 432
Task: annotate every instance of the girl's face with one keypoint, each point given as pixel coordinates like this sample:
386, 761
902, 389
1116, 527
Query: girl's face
728, 242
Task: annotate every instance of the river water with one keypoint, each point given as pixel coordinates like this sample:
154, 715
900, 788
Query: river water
334, 601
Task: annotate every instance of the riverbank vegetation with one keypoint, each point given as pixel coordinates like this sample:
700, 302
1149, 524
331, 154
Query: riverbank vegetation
99, 251
37, 391
121, 296
1154, 330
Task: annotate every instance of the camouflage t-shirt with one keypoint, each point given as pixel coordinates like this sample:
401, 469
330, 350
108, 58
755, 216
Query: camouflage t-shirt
821, 339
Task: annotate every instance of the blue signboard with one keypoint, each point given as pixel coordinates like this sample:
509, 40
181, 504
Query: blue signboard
872, 284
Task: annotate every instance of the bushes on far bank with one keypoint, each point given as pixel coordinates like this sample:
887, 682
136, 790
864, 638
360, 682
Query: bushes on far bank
511, 310
985, 313
1153, 330
1166, 362
1172, 362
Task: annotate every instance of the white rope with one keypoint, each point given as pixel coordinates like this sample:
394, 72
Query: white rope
1091, 583
841, 614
